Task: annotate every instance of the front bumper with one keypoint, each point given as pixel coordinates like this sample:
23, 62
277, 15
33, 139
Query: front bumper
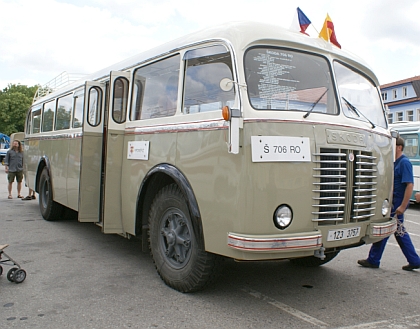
307, 240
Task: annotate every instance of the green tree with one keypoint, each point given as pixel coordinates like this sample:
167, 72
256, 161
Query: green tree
15, 101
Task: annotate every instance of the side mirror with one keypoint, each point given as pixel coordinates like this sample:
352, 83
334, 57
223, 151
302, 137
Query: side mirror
226, 84
394, 134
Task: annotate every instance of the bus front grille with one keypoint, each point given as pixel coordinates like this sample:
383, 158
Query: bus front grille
344, 187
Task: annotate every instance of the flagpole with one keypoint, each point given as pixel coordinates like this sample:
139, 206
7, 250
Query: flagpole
315, 29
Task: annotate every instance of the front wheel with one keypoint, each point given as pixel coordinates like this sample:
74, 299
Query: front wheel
50, 210
19, 276
178, 253
313, 261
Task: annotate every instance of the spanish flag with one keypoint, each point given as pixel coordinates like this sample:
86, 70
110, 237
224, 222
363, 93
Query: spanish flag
327, 33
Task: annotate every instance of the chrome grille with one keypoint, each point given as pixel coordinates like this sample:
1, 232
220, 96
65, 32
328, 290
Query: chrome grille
344, 187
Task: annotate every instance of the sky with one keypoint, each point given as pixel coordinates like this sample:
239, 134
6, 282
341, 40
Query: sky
40, 39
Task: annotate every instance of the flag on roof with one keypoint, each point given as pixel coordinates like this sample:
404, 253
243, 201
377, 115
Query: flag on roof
304, 21
327, 33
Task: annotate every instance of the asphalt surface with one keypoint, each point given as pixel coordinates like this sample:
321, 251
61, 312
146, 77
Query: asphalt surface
78, 277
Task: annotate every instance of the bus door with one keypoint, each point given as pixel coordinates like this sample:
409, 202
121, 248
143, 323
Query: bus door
114, 147
91, 152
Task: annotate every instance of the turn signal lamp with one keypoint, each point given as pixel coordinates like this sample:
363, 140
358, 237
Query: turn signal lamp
226, 113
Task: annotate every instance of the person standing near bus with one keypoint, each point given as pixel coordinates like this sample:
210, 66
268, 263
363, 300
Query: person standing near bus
14, 167
403, 188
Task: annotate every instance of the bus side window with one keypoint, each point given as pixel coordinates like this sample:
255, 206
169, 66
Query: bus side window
79, 99
204, 69
48, 115
156, 89
64, 109
94, 106
36, 120
411, 145
120, 97
29, 123
136, 100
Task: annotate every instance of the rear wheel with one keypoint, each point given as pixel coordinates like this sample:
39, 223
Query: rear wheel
178, 254
50, 210
313, 261
10, 273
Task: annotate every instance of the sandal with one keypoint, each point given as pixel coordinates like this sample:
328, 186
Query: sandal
10, 197
27, 198
33, 197
20, 196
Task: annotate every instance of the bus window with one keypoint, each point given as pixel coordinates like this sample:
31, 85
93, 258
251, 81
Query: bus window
94, 106
28, 128
48, 116
79, 99
359, 92
36, 120
411, 148
285, 80
119, 109
64, 109
205, 68
156, 89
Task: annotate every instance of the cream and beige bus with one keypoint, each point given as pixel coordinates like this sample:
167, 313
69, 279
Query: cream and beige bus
245, 141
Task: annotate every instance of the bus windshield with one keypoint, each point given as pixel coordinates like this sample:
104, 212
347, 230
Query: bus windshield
287, 80
359, 97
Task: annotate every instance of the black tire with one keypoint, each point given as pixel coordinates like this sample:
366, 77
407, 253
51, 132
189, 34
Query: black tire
1, 270
19, 276
177, 252
313, 261
11, 273
50, 210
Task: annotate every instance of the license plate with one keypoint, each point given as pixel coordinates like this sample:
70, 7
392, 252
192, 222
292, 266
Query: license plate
342, 234
280, 149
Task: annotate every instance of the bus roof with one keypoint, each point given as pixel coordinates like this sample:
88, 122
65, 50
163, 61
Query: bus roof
405, 126
241, 35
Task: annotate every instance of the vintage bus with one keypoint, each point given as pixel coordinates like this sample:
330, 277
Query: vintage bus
243, 141
410, 131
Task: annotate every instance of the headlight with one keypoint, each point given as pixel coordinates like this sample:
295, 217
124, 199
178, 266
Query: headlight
385, 207
283, 216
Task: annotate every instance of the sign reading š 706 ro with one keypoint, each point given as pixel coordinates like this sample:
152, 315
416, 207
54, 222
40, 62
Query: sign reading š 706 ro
280, 149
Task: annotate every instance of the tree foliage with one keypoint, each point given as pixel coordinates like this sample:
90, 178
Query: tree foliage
15, 101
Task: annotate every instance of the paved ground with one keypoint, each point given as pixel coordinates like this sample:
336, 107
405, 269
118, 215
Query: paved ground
78, 277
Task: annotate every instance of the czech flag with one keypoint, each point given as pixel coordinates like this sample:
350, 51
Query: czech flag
304, 21
327, 33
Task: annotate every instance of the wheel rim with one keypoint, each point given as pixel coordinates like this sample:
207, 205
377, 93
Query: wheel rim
175, 238
19, 276
45, 193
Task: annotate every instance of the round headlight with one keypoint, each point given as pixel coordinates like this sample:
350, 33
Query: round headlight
283, 216
385, 207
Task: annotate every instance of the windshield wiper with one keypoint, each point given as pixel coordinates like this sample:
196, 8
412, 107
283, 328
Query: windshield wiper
358, 113
314, 104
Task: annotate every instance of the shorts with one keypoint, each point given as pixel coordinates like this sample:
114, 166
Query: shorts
11, 176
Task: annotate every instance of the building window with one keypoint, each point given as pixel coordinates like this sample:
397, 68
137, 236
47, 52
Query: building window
400, 116
410, 116
394, 93
384, 96
390, 117
404, 92
418, 114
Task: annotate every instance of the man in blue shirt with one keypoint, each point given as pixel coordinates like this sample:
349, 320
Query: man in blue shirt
403, 188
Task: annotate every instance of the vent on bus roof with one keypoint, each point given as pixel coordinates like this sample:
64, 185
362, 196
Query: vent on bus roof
345, 186
58, 82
